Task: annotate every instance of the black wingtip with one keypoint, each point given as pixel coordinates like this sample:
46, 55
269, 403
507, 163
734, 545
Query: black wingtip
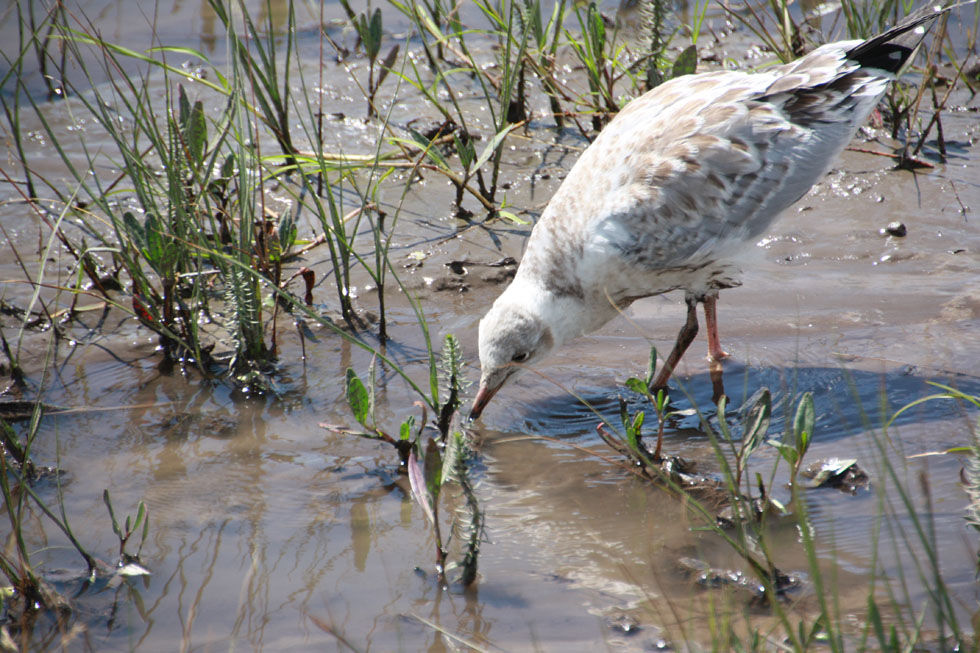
890, 57
890, 50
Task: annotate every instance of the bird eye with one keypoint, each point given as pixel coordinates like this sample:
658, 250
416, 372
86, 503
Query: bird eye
521, 357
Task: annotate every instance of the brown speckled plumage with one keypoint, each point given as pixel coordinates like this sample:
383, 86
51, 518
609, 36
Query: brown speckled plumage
676, 186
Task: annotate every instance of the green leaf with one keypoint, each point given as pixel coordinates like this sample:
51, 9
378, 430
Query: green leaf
183, 106
757, 422
638, 423
433, 469
652, 366
361, 25
465, 151
786, 451
134, 230
493, 145
511, 216
431, 152
112, 515
287, 231
598, 31
631, 436
357, 397
146, 529
228, 167
196, 133
154, 250
804, 422
140, 515
373, 44
426, 19
387, 64
637, 386
686, 62
405, 430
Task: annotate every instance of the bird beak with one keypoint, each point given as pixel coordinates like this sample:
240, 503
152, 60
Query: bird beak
483, 397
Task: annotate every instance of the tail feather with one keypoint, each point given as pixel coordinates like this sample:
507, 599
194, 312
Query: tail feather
891, 50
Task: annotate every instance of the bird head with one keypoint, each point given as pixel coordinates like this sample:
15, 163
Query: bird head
512, 337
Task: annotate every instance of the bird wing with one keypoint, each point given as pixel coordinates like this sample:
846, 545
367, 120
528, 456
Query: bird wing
702, 163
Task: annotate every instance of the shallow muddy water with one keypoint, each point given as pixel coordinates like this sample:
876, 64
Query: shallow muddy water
269, 532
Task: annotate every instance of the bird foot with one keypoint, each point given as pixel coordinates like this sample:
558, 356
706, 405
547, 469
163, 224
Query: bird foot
717, 355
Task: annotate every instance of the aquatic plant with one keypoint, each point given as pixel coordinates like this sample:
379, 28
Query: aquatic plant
369, 31
140, 523
446, 457
28, 592
754, 515
592, 51
497, 95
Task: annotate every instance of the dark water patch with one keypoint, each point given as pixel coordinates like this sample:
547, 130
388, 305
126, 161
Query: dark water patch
847, 401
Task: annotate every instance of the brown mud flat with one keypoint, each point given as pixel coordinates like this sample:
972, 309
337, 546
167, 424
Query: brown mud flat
269, 532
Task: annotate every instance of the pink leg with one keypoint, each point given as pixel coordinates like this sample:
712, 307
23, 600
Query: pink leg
715, 352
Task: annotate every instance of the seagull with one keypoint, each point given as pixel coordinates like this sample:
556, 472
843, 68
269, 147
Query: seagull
680, 182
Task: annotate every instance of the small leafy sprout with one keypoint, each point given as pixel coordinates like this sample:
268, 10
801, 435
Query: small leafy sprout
131, 526
370, 32
802, 432
754, 428
361, 402
660, 403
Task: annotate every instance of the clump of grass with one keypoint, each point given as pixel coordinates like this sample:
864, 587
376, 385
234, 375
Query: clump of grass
500, 94
199, 205
593, 51
776, 28
198, 253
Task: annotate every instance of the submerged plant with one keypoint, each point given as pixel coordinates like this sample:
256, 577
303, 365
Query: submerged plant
444, 458
27, 589
140, 523
428, 474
